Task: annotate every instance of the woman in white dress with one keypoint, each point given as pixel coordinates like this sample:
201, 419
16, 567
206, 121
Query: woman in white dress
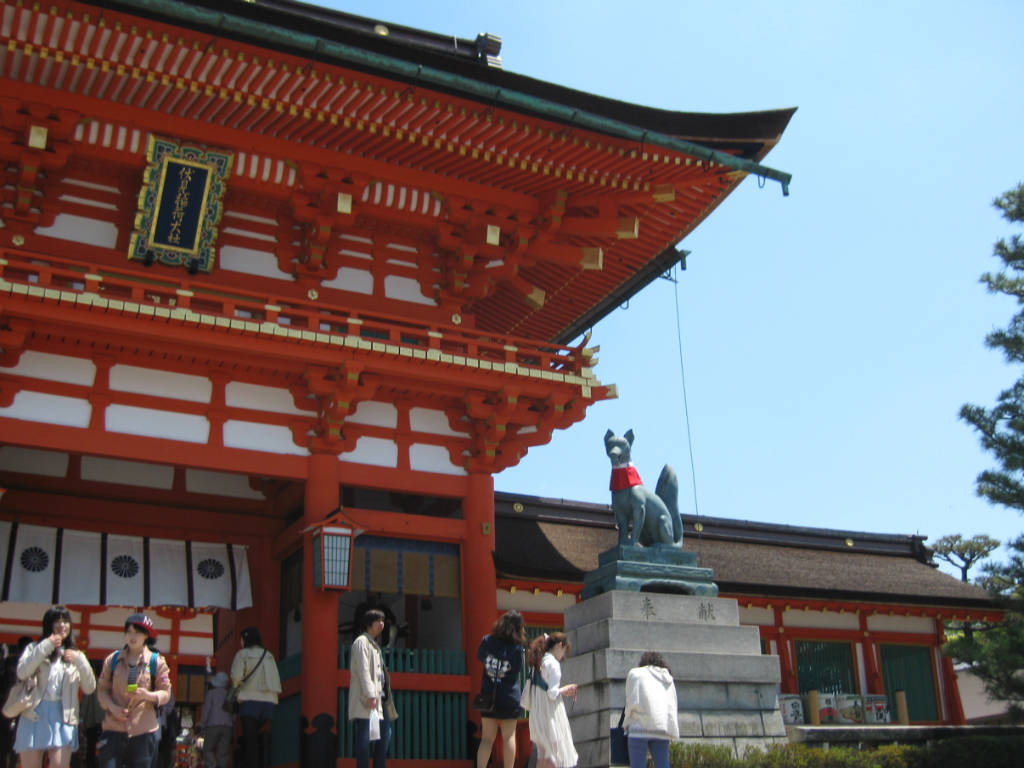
549, 725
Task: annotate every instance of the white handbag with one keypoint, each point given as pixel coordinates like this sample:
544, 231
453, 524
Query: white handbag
524, 700
374, 725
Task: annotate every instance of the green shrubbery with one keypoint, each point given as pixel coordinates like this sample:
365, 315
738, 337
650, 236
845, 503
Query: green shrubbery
964, 752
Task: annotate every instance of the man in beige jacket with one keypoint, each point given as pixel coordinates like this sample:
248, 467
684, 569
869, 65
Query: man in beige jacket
367, 692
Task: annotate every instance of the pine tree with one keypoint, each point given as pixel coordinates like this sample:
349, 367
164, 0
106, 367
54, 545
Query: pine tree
995, 652
964, 553
1002, 427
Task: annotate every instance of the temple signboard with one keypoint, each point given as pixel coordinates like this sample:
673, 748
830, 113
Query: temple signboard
180, 205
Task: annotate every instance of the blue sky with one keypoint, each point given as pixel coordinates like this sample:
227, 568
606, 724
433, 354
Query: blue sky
829, 337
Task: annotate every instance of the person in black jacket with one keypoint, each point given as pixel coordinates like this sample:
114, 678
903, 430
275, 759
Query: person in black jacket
502, 655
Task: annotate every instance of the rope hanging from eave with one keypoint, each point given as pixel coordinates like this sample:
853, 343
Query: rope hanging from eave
686, 416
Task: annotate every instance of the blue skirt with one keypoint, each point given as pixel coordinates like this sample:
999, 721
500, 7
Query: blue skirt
48, 732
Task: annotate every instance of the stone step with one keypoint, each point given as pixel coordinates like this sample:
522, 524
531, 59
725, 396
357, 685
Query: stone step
611, 696
614, 664
706, 724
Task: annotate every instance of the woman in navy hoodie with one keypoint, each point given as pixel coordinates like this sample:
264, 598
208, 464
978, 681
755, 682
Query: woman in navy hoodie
502, 655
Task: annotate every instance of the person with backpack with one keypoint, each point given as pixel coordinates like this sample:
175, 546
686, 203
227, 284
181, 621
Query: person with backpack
134, 684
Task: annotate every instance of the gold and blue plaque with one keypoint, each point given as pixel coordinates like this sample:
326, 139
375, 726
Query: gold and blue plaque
180, 205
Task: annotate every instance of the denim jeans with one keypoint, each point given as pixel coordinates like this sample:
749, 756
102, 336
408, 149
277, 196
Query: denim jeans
364, 747
253, 714
118, 750
638, 746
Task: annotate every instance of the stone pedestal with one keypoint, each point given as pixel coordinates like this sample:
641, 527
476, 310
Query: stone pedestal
658, 568
727, 689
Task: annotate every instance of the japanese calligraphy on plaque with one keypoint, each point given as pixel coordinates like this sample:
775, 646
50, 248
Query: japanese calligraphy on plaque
180, 205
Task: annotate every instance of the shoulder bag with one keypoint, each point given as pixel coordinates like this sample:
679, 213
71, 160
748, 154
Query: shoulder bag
19, 698
390, 710
231, 700
533, 681
618, 746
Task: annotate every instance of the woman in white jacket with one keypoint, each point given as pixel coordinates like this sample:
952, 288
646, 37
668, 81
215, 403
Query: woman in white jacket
254, 670
652, 712
51, 726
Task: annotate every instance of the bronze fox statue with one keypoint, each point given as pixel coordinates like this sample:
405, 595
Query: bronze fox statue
642, 517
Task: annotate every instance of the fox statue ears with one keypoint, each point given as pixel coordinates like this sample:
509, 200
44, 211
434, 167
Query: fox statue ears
609, 435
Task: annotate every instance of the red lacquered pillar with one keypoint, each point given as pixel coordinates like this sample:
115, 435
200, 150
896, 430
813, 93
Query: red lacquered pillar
319, 607
479, 581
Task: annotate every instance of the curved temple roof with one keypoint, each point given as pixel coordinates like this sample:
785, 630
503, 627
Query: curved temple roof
659, 171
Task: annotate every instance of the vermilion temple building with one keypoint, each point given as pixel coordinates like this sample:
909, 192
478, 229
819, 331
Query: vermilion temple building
261, 262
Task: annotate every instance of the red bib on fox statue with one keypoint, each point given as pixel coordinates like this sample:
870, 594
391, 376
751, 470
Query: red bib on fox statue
624, 477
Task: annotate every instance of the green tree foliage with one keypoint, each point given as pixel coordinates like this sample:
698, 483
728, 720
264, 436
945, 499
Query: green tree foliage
1002, 428
996, 652
965, 553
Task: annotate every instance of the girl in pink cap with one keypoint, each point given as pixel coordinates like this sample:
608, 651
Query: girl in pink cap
130, 694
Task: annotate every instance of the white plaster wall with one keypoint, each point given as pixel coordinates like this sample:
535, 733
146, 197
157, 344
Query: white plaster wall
251, 436
79, 229
820, 619
432, 458
757, 616
431, 421
166, 425
405, 289
198, 646
375, 414
251, 262
42, 365
32, 612
220, 484
542, 602
137, 473
883, 623
260, 398
49, 409
351, 279
373, 450
32, 461
152, 381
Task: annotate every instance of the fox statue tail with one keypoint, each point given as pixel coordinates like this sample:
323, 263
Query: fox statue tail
668, 491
